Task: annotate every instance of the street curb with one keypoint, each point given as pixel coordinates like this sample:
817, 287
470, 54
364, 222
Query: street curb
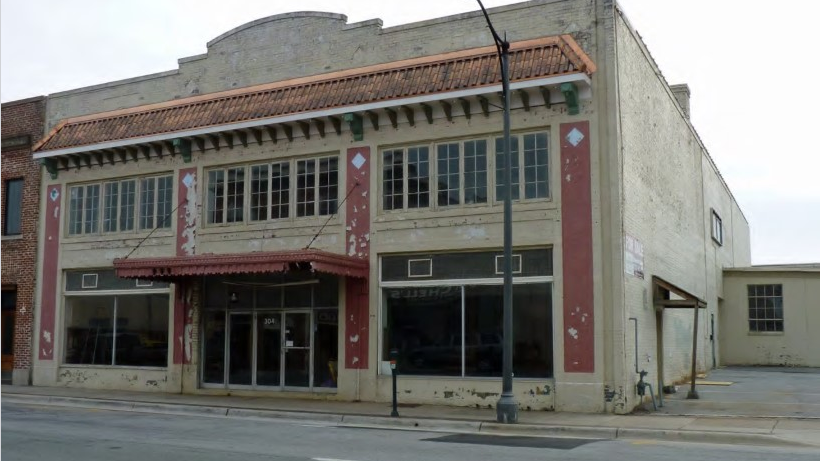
414, 424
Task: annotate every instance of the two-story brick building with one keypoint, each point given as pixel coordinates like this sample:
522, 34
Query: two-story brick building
278, 213
23, 124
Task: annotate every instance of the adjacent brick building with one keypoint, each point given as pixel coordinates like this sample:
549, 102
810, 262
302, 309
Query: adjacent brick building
23, 122
279, 213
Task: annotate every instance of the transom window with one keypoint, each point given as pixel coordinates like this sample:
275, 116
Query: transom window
765, 307
461, 171
117, 206
270, 192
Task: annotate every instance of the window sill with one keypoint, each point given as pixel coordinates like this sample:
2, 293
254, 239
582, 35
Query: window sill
452, 211
383, 375
766, 333
13, 237
112, 367
108, 237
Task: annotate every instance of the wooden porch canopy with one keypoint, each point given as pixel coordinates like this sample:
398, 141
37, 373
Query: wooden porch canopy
544, 71
173, 269
660, 287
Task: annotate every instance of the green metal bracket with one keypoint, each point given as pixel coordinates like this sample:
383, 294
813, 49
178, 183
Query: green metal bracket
570, 92
356, 125
184, 147
51, 166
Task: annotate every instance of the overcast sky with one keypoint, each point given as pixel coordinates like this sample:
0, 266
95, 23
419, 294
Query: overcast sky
752, 68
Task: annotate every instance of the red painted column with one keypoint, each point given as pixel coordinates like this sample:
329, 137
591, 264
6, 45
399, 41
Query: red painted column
185, 246
51, 276
357, 244
576, 230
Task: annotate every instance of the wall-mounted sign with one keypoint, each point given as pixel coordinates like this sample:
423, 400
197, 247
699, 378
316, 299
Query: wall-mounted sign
633, 256
16, 142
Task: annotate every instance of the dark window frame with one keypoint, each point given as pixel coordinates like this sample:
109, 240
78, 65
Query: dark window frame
765, 308
717, 228
13, 206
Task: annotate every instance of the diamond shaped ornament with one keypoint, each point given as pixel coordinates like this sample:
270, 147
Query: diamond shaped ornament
358, 160
575, 137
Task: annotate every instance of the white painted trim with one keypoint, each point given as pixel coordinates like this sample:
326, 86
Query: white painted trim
578, 77
459, 282
131, 291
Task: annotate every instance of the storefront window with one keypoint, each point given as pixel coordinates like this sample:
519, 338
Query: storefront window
424, 324
129, 330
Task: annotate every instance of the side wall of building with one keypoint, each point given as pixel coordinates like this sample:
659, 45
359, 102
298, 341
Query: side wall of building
670, 186
797, 345
20, 119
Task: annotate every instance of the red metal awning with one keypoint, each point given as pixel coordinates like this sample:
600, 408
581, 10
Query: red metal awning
180, 267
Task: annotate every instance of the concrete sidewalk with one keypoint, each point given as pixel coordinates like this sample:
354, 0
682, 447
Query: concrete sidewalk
704, 429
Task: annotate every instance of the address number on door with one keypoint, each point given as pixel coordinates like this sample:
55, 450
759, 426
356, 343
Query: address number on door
269, 321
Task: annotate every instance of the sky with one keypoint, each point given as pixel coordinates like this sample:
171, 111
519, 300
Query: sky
752, 69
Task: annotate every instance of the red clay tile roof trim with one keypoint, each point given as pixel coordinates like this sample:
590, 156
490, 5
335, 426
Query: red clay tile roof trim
177, 267
466, 69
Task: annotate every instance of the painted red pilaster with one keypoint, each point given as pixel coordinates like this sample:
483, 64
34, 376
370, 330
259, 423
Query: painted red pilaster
185, 246
576, 230
51, 278
357, 243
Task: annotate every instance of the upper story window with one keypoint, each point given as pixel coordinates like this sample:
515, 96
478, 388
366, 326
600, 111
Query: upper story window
765, 307
717, 228
13, 208
461, 171
270, 192
117, 206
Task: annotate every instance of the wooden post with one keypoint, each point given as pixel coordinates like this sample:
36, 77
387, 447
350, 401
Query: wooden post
693, 394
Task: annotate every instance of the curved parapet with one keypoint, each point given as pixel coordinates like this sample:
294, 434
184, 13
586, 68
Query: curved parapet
279, 17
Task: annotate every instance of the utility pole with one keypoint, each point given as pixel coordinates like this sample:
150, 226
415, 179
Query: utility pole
507, 407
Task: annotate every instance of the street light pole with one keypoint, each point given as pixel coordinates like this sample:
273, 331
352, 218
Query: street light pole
507, 407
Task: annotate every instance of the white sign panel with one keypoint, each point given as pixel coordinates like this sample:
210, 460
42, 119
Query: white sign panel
633, 256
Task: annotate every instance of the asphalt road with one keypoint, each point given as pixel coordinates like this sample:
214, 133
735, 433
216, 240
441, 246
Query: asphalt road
60, 433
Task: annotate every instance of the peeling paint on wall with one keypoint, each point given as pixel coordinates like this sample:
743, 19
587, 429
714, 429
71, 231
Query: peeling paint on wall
187, 234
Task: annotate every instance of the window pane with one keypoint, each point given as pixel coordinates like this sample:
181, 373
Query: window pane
89, 329
147, 198
76, 205
235, 194
142, 330
326, 347
14, 205
110, 206
393, 181
500, 159
305, 187
259, 192
128, 198
216, 195
165, 190
92, 208
213, 368
424, 325
280, 190
328, 185
483, 320
536, 178
475, 171
418, 177
448, 174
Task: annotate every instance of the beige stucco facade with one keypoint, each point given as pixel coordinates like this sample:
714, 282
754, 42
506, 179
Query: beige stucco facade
650, 177
796, 344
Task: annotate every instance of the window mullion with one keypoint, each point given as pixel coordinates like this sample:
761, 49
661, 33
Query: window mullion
114, 340
522, 167
225, 181
463, 332
269, 192
462, 175
317, 173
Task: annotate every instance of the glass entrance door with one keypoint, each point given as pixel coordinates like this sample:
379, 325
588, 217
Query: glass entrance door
268, 348
240, 352
296, 348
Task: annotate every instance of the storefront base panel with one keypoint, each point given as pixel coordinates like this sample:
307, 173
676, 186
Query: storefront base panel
124, 378
531, 394
21, 377
580, 397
